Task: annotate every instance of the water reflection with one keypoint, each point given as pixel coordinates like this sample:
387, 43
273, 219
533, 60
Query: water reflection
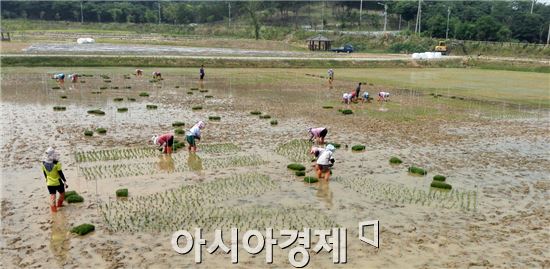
59, 240
194, 162
324, 193
166, 163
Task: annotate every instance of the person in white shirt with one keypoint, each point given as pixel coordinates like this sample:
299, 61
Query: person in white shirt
383, 96
325, 162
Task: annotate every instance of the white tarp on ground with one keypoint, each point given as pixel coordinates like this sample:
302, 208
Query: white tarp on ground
85, 40
426, 55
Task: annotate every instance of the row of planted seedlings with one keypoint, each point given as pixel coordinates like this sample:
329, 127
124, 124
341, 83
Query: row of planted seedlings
115, 154
207, 205
399, 193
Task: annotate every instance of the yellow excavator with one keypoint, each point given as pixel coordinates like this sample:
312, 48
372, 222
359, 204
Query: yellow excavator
442, 47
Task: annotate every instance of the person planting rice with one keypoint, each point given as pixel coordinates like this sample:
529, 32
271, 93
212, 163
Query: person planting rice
325, 162
55, 179
73, 77
166, 141
60, 78
346, 98
357, 90
139, 72
365, 97
201, 72
316, 151
383, 96
330, 75
194, 134
157, 75
318, 134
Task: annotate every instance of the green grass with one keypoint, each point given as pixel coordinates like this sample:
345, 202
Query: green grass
296, 167
417, 170
440, 185
265, 117
395, 160
196, 108
83, 229
310, 179
121, 193
358, 148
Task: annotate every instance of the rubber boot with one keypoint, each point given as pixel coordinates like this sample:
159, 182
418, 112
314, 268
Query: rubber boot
168, 150
53, 208
60, 200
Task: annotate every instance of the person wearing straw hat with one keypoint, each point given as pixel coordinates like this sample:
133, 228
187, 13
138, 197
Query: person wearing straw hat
194, 134
166, 141
55, 179
325, 162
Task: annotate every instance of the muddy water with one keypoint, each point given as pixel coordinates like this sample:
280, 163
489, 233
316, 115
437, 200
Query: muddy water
496, 215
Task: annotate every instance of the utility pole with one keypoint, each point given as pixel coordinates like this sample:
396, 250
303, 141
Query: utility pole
548, 36
159, 11
360, 11
418, 18
81, 13
448, 16
385, 15
323, 16
399, 22
532, 5
229, 6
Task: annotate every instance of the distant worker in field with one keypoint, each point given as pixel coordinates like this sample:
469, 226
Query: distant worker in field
201, 72
383, 96
330, 73
193, 135
346, 98
357, 90
316, 151
73, 77
157, 75
318, 134
366, 97
166, 141
139, 72
325, 162
60, 78
55, 179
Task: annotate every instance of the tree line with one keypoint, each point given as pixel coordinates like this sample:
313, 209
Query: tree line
523, 21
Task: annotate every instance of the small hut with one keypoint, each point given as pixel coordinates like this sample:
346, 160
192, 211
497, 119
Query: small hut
318, 42
5, 35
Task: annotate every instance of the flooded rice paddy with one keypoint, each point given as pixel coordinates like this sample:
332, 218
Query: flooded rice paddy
494, 153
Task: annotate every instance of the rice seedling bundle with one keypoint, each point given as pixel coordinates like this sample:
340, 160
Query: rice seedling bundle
395, 160
310, 179
118, 99
96, 112
346, 111
122, 109
131, 99
59, 108
88, 133
203, 91
194, 89
440, 185
178, 124
439, 178
121, 193
151, 106
190, 93
417, 170
214, 118
273, 122
144, 94
63, 96
328, 107
179, 131
300, 173
101, 130
358, 148
296, 167
103, 87
208, 96
265, 116
197, 108
75, 198
56, 88
83, 229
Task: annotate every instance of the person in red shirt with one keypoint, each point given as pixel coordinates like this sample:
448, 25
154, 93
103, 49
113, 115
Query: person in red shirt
166, 141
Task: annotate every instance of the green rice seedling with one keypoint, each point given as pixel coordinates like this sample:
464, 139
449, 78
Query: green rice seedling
128, 87
194, 89
122, 109
296, 150
439, 178
203, 91
76, 198
220, 148
300, 173
197, 108
346, 111
214, 118
151, 106
273, 122
189, 93
441, 185
296, 167
131, 99
101, 130
310, 179
395, 160
56, 88
265, 116
114, 87
118, 99
417, 170
177, 86
178, 124
358, 148
63, 96
328, 107
122, 193
96, 112
83, 229
70, 193
255, 113
144, 94
88, 133
103, 87
96, 92
179, 131
178, 144
59, 108
114, 154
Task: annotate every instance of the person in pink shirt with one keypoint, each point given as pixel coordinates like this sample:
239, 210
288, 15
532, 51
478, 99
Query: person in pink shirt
166, 141
318, 134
